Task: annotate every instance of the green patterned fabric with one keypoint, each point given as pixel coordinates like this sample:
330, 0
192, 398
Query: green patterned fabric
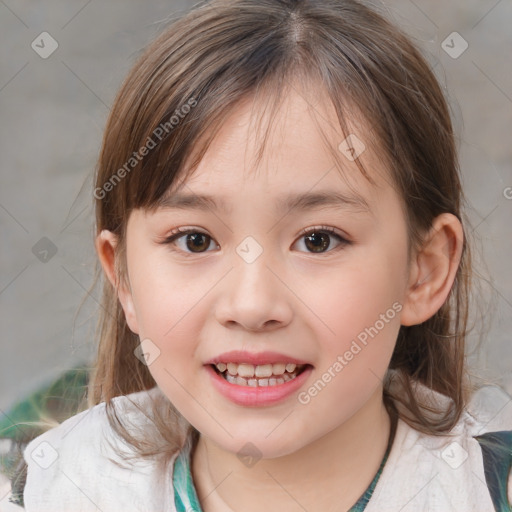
58, 400
185, 496
497, 455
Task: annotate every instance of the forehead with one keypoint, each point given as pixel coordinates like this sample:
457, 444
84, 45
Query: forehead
297, 153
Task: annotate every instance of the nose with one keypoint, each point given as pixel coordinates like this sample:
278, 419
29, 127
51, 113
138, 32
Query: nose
254, 297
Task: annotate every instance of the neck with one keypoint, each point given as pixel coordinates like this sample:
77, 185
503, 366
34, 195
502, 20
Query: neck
329, 474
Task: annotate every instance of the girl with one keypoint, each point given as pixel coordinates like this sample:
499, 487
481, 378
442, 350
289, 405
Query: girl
284, 309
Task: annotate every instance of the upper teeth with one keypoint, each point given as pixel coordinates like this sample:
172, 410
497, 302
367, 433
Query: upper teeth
261, 370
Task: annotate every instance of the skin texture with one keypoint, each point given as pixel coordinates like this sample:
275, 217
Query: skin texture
193, 306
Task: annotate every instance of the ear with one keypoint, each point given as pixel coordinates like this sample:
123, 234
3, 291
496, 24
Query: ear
106, 244
433, 269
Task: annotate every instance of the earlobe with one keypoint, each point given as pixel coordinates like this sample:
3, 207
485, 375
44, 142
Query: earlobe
433, 270
106, 245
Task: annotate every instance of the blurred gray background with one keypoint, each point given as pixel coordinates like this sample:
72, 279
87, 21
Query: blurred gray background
53, 111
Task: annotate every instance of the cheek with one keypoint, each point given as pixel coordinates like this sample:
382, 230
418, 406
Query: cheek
359, 308
165, 296
170, 313
352, 298
356, 307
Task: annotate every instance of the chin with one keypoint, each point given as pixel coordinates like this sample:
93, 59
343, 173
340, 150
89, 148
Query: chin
256, 445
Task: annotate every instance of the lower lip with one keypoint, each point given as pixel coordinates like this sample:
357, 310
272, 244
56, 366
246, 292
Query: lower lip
257, 396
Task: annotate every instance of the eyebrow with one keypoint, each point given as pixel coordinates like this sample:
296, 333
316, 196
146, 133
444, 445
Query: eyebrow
289, 203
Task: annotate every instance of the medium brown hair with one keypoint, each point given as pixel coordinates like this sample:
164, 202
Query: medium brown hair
185, 85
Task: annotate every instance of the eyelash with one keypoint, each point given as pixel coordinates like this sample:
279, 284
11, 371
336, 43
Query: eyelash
180, 232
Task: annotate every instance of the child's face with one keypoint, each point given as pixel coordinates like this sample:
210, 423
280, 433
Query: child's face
335, 306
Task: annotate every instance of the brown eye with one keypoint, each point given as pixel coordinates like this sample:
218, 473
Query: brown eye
197, 242
317, 241
189, 241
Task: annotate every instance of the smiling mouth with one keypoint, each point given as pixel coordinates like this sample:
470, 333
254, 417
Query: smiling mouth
264, 375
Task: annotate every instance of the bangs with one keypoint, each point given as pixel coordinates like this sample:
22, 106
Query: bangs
266, 103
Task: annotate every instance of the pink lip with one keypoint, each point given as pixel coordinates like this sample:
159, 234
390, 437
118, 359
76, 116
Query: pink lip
257, 396
241, 356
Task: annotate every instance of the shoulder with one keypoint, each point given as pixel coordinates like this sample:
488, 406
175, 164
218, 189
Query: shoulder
80, 464
466, 469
